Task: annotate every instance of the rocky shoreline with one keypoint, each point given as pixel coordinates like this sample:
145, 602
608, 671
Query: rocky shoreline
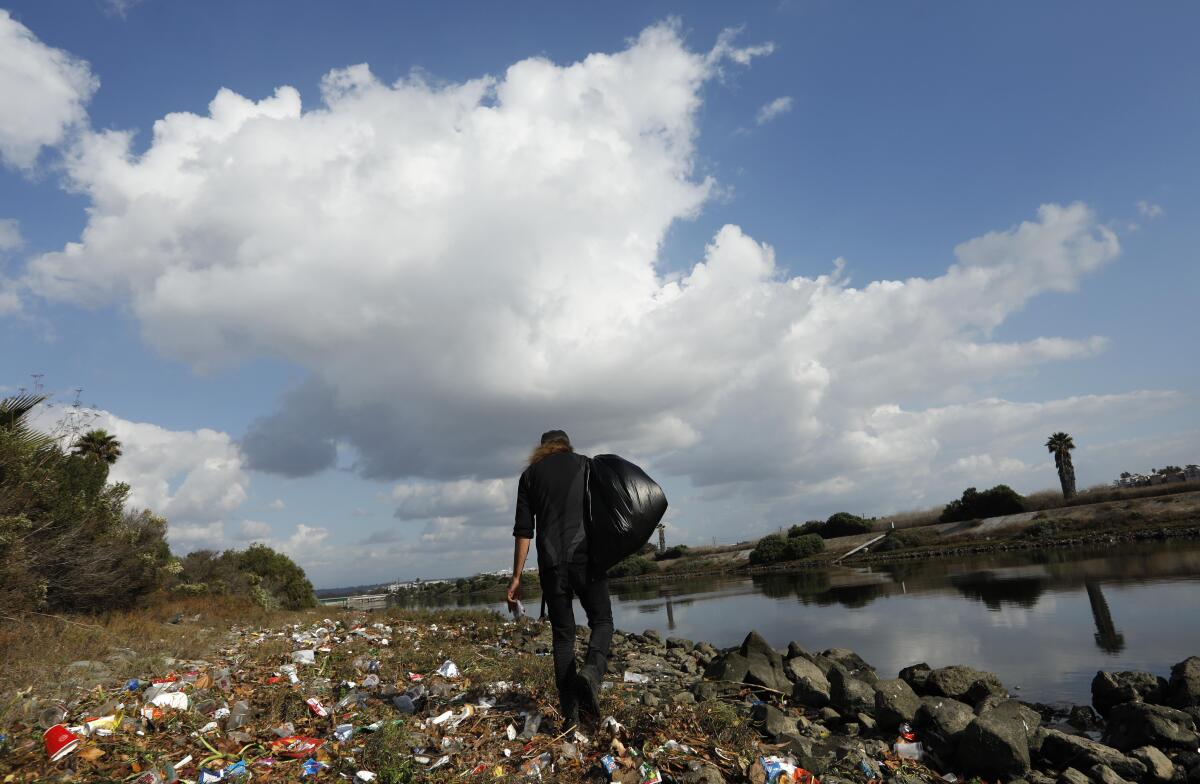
830, 713
450, 696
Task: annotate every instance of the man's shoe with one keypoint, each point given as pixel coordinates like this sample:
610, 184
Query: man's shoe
587, 688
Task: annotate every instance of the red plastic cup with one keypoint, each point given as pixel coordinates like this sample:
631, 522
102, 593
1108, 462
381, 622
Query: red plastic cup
60, 742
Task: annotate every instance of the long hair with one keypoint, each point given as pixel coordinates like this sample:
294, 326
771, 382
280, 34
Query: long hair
549, 448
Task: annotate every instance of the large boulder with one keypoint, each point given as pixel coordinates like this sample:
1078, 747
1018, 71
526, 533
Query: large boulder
1061, 750
917, 676
764, 665
1159, 769
1114, 688
964, 684
993, 747
849, 694
810, 687
1102, 774
850, 660
1183, 690
730, 667
1012, 710
771, 721
1135, 724
941, 720
1073, 776
895, 703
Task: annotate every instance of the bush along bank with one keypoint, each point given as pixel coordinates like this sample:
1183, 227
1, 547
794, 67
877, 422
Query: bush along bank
407, 697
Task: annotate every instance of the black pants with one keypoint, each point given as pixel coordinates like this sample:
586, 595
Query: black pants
592, 590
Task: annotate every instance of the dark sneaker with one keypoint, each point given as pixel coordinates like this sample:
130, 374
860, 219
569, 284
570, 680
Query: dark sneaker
587, 688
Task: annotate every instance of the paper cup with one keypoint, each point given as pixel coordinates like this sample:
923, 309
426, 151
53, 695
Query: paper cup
60, 742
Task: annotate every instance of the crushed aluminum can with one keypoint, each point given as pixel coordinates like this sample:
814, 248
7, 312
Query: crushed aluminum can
448, 669
907, 733
316, 707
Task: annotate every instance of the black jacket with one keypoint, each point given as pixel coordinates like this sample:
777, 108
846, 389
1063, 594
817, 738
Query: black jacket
550, 501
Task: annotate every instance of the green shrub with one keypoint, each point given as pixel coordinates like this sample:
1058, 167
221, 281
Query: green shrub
633, 566
804, 546
974, 505
678, 551
903, 540
66, 541
770, 549
844, 524
775, 548
811, 527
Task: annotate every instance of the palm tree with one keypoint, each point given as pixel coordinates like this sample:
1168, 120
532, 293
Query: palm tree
1060, 445
13, 414
100, 445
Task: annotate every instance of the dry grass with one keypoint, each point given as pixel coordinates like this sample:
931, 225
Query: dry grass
1044, 500
37, 649
915, 518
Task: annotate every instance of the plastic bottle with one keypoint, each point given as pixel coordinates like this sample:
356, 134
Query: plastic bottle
239, 714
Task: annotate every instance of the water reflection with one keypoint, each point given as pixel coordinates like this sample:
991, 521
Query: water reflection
1043, 621
1107, 637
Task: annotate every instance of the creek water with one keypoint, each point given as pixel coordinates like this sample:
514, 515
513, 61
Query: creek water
1045, 622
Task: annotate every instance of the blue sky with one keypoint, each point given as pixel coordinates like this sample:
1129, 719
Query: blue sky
425, 358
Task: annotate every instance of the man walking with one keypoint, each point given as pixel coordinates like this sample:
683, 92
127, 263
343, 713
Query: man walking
550, 501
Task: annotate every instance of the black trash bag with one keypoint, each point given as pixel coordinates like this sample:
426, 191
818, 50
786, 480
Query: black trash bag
624, 506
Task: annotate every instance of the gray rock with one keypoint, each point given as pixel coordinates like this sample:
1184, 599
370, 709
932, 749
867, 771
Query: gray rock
829, 714
810, 687
652, 636
1072, 776
944, 718
917, 676
1060, 749
1183, 690
852, 728
867, 723
796, 649
1158, 768
771, 721
1013, 711
849, 694
1135, 724
764, 665
1115, 688
1034, 777
1102, 774
1083, 718
848, 659
649, 700
964, 684
705, 774
731, 667
683, 698
895, 703
679, 642
993, 747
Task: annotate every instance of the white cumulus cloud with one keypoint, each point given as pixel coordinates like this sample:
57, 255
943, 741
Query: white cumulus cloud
253, 530
43, 91
193, 478
462, 265
773, 109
